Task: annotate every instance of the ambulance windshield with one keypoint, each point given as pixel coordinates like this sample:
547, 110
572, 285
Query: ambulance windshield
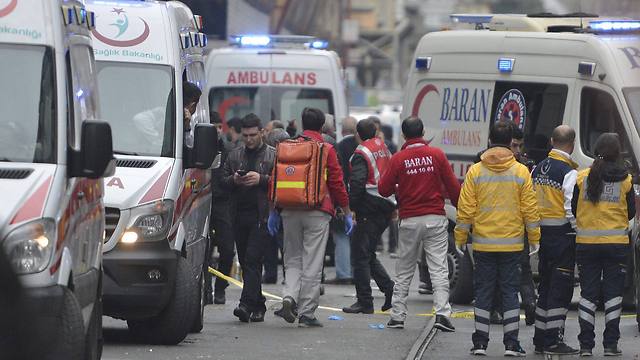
27, 104
269, 103
138, 102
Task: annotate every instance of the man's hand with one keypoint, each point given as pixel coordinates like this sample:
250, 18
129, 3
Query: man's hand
251, 179
238, 179
348, 224
533, 248
273, 223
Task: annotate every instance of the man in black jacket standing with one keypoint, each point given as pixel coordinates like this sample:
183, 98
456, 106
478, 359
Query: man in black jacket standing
220, 221
373, 213
246, 174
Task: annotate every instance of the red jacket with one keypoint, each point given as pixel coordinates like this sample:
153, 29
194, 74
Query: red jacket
419, 175
335, 183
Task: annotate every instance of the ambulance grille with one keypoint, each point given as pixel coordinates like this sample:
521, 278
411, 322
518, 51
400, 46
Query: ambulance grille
15, 174
133, 163
112, 216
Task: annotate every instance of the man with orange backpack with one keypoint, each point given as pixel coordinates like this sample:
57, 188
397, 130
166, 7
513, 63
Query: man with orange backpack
307, 204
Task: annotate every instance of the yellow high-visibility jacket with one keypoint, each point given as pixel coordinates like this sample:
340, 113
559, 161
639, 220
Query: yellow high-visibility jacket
498, 201
607, 221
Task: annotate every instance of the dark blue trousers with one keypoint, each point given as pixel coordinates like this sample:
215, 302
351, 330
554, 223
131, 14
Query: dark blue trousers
602, 270
503, 269
556, 269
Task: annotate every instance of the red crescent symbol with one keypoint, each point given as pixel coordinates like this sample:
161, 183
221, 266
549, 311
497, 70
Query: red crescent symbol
425, 90
9, 8
124, 43
227, 103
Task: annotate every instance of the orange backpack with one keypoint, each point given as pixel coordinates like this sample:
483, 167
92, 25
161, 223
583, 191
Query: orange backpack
299, 174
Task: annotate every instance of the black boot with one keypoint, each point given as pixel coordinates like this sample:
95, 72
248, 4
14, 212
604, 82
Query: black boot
358, 308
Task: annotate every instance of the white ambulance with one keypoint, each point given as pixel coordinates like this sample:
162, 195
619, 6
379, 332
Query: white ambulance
276, 77
159, 199
53, 154
539, 72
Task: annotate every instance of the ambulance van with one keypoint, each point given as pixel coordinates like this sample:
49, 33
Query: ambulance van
276, 77
538, 71
159, 199
53, 154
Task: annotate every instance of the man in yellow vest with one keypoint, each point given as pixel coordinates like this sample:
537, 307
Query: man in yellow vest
553, 180
498, 200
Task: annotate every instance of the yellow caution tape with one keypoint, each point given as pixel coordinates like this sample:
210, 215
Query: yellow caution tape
266, 294
454, 315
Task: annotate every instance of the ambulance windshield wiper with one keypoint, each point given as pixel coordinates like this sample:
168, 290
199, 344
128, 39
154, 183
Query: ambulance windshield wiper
119, 152
6, 160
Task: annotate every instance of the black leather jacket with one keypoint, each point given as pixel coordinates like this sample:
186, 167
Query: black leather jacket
363, 203
264, 164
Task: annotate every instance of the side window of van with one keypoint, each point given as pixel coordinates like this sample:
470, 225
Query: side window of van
82, 89
537, 107
599, 114
194, 73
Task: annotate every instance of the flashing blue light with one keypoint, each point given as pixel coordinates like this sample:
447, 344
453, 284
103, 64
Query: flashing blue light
254, 40
471, 18
423, 63
505, 65
79, 93
615, 25
319, 44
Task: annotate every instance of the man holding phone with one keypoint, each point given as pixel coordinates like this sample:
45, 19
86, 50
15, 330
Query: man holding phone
247, 172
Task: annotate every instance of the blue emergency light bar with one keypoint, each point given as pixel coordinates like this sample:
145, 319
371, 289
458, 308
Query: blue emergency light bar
471, 18
278, 40
505, 65
614, 26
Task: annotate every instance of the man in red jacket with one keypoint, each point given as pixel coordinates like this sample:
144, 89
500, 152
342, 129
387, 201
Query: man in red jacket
417, 175
306, 232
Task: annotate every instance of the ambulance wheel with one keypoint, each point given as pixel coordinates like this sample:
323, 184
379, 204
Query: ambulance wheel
94, 340
68, 342
460, 277
169, 327
198, 306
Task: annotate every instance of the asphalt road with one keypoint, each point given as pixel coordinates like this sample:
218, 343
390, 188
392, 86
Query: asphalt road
351, 337
224, 337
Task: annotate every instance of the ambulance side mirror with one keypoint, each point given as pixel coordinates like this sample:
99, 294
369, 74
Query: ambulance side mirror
205, 147
95, 158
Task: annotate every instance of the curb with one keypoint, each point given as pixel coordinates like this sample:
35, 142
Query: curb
422, 342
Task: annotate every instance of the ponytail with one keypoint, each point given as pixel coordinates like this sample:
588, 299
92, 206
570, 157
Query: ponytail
595, 183
607, 151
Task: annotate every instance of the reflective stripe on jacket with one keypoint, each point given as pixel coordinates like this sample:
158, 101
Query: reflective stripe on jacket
377, 156
553, 181
498, 201
607, 221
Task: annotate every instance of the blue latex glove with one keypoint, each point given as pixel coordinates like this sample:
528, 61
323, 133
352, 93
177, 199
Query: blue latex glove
273, 223
348, 224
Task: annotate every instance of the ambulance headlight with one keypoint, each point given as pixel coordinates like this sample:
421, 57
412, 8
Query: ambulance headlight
29, 246
152, 221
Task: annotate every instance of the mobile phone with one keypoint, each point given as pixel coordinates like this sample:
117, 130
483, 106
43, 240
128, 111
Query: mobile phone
242, 172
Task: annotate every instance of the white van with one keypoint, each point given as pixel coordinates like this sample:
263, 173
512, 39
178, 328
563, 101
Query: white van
53, 154
158, 202
276, 77
539, 72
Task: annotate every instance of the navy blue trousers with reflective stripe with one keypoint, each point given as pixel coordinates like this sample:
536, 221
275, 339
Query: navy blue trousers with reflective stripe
502, 268
557, 261
602, 270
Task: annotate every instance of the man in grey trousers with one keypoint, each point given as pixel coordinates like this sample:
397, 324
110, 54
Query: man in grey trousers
417, 175
306, 232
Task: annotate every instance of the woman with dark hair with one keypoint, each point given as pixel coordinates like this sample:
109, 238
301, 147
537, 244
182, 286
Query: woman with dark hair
603, 203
